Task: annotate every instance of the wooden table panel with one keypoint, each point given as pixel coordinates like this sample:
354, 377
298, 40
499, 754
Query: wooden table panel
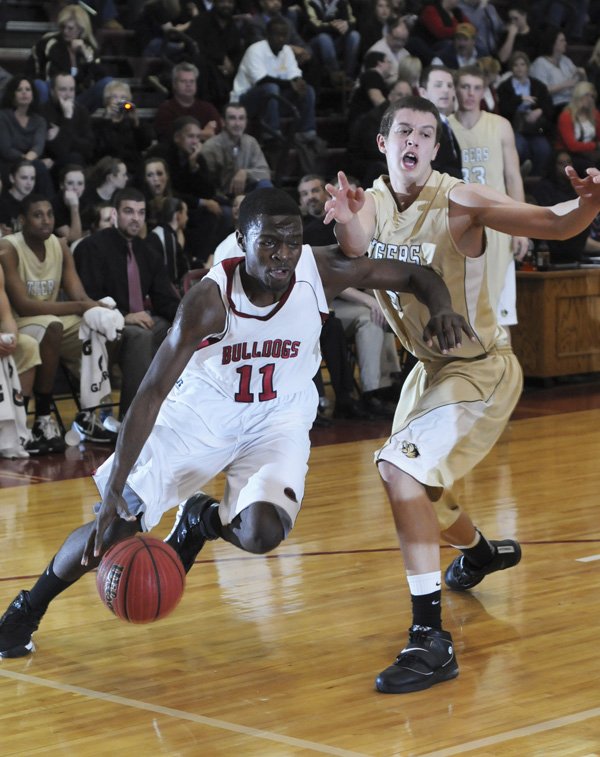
558, 333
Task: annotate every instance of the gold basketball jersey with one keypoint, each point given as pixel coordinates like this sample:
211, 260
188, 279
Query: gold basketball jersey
421, 235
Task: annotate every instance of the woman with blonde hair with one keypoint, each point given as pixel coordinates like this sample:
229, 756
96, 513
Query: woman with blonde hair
120, 132
72, 49
409, 69
578, 127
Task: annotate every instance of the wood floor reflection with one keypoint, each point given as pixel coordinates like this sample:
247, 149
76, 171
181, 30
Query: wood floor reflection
276, 655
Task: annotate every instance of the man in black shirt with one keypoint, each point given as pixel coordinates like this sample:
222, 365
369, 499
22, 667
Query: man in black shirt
192, 182
437, 86
70, 138
117, 263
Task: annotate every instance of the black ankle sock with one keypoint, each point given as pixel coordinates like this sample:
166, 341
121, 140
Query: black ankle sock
43, 404
427, 609
481, 553
48, 586
212, 522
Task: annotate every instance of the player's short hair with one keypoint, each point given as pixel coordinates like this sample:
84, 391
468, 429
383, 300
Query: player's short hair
31, 199
411, 102
472, 70
269, 201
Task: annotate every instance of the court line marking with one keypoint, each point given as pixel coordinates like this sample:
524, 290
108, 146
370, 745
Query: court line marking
528, 730
181, 715
590, 558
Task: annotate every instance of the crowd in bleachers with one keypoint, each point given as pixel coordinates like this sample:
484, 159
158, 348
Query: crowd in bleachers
179, 108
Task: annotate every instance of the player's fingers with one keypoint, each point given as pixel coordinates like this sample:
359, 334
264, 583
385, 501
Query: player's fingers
89, 544
342, 180
449, 333
123, 512
457, 329
331, 189
468, 330
102, 523
432, 330
329, 216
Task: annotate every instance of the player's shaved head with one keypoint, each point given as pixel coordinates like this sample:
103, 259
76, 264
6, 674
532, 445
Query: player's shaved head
265, 202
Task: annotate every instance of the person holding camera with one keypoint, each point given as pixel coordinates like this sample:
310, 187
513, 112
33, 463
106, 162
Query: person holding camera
120, 132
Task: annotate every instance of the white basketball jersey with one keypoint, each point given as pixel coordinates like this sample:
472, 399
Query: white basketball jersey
264, 353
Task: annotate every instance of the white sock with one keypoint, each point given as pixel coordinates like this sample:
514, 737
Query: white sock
425, 583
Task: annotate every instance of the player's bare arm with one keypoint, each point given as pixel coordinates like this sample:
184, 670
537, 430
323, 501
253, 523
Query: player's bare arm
339, 272
513, 180
25, 305
200, 314
71, 283
354, 214
478, 205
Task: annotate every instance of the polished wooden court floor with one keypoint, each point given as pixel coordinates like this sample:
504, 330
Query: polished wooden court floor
270, 656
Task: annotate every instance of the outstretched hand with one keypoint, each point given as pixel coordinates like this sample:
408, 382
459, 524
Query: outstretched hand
448, 328
344, 202
108, 513
587, 187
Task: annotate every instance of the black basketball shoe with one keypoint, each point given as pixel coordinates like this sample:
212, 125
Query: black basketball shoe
462, 575
427, 659
16, 627
192, 528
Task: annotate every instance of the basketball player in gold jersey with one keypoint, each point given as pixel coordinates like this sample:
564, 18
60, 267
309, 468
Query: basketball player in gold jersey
452, 408
489, 156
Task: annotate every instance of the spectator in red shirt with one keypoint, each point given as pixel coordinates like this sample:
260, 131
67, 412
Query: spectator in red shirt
579, 127
185, 103
437, 22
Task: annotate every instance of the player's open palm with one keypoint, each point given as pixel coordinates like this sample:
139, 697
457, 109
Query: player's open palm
344, 200
448, 328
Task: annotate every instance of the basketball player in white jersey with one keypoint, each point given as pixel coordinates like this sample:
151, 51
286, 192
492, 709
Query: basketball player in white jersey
229, 389
453, 407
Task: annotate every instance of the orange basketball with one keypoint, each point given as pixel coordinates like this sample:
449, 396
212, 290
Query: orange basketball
140, 579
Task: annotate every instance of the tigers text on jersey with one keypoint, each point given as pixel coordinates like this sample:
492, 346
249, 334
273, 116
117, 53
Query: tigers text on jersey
264, 353
421, 235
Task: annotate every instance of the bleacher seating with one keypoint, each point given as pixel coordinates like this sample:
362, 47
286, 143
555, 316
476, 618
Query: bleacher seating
22, 22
